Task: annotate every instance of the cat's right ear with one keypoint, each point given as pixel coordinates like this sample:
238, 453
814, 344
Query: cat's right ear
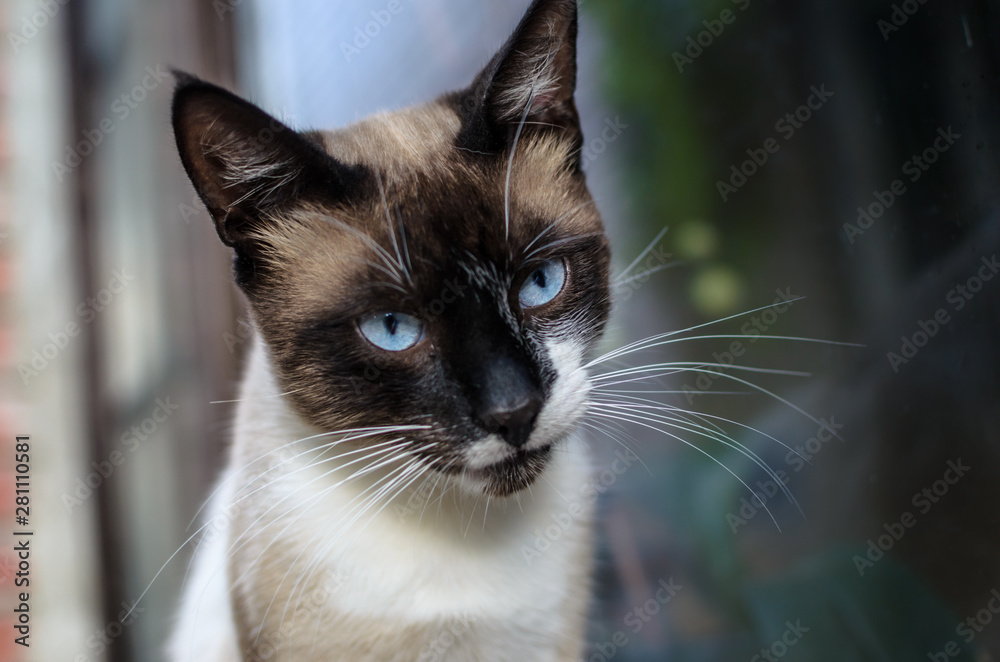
245, 164
530, 82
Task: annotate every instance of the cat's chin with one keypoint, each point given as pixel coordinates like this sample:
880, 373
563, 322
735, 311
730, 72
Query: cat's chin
510, 475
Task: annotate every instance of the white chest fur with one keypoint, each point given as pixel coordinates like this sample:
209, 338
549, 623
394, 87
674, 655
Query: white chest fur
422, 577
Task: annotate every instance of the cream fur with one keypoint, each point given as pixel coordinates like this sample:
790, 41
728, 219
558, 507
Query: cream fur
431, 577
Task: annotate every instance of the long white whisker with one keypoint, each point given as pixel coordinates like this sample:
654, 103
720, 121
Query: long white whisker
643, 254
308, 571
510, 161
703, 416
207, 524
702, 431
386, 429
777, 397
413, 467
392, 270
685, 366
392, 230
361, 472
621, 351
305, 508
263, 397
549, 228
695, 447
646, 274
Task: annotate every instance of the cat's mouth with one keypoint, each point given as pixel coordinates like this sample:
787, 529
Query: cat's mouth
512, 474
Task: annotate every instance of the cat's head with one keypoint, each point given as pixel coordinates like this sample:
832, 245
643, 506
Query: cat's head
442, 266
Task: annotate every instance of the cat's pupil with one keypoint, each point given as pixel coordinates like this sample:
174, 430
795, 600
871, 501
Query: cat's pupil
539, 278
391, 324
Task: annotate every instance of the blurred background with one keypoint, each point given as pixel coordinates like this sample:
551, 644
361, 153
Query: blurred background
842, 157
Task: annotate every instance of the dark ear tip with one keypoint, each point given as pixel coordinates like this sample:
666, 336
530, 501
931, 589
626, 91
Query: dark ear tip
185, 81
564, 6
183, 77
193, 90
185, 85
190, 84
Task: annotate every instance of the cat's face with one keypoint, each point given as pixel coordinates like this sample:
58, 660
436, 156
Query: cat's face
442, 266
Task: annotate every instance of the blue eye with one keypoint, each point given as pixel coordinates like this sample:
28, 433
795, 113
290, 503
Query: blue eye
392, 332
543, 284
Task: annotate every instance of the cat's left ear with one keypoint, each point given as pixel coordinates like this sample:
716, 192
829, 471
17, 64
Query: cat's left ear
245, 164
531, 80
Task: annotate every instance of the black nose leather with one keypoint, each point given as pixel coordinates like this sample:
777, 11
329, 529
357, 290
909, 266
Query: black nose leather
514, 423
509, 401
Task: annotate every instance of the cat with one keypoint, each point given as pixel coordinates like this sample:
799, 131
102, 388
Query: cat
426, 287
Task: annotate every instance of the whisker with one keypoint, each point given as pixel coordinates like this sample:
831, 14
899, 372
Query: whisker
560, 242
386, 429
645, 274
371, 243
631, 347
702, 415
722, 438
263, 397
763, 390
685, 366
315, 497
510, 161
616, 436
698, 449
392, 229
310, 568
605, 391
209, 500
643, 254
305, 505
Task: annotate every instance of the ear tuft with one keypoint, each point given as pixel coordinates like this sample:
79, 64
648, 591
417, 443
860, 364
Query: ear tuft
532, 78
245, 164
536, 73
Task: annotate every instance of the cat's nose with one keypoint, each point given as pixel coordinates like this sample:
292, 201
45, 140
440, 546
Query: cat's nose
508, 400
514, 423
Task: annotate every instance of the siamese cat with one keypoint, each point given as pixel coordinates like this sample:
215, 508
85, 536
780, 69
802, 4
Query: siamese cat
426, 288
